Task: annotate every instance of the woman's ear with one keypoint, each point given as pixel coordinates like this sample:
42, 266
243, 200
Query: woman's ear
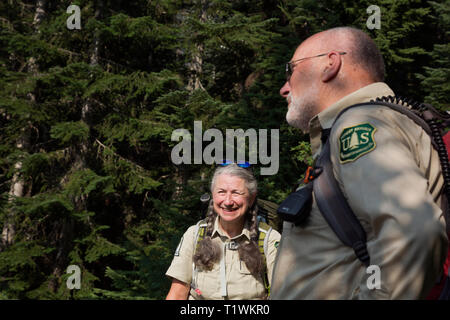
332, 67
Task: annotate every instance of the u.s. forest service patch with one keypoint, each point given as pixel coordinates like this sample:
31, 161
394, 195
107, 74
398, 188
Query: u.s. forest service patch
356, 141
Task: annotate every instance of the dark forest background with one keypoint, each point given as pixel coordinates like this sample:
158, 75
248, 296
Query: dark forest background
86, 118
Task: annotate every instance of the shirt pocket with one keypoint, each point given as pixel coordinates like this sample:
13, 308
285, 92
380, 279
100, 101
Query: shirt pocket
245, 285
209, 282
243, 268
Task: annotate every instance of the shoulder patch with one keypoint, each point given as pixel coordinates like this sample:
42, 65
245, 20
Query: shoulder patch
356, 141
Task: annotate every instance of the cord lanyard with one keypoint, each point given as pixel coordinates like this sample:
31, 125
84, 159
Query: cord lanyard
223, 274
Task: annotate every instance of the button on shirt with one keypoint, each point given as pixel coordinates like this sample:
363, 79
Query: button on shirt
230, 278
395, 191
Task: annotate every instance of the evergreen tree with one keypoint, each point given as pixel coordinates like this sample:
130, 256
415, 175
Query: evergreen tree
436, 80
87, 115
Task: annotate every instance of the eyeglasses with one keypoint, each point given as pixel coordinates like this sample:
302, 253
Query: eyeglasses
244, 165
290, 65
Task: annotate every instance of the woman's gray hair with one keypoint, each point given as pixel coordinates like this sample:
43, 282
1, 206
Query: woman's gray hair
236, 171
208, 253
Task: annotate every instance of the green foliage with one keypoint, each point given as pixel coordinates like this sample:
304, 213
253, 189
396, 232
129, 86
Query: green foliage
83, 182
17, 265
99, 247
303, 153
70, 132
33, 169
86, 121
436, 79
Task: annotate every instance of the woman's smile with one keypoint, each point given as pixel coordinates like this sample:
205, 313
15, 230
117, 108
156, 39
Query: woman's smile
231, 198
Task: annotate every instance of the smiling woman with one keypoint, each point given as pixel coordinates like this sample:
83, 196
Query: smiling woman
234, 192
232, 198
229, 255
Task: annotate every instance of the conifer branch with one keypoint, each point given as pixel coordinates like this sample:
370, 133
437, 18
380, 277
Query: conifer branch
102, 146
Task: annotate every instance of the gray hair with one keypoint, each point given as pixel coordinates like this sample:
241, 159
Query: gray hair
234, 170
364, 51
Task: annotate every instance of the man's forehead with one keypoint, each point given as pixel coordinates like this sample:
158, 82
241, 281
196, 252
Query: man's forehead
299, 53
304, 49
315, 44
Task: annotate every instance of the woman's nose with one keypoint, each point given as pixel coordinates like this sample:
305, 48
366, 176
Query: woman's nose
228, 200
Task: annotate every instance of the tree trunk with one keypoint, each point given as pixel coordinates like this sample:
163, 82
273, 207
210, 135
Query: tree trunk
17, 183
94, 60
196, 69
16, 190
39, 15
196, 64
194, 83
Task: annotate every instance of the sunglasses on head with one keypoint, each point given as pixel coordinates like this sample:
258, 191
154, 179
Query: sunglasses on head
241, 164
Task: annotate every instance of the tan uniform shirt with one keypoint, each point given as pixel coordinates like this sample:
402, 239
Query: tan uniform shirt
229, 279
391, 177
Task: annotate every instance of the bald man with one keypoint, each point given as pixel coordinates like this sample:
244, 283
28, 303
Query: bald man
386, 168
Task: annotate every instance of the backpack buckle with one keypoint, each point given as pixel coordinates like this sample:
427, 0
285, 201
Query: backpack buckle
311, 174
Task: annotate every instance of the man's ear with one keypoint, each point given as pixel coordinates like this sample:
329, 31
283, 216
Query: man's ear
332, 67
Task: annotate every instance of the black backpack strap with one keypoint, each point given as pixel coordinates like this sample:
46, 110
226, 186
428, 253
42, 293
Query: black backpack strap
335, 209
330, 199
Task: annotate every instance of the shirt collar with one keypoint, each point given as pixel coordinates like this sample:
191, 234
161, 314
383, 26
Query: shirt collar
325, 119
217, 231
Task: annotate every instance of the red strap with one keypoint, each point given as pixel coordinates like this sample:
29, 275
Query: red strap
446, 139
447, 144
447, 262
437, 289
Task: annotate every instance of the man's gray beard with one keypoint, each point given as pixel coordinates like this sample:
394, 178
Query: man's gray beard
300, 112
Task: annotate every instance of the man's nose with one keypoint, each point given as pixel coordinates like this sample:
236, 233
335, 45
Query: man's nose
284, 91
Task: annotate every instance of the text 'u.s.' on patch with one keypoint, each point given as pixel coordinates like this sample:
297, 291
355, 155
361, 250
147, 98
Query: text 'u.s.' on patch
356, 141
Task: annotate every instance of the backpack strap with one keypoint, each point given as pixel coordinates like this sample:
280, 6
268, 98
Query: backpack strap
200, 234
264, 230
335, 209
263, 242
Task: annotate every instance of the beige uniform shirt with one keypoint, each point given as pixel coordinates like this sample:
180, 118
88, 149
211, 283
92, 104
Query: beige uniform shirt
230, 278
391, 177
